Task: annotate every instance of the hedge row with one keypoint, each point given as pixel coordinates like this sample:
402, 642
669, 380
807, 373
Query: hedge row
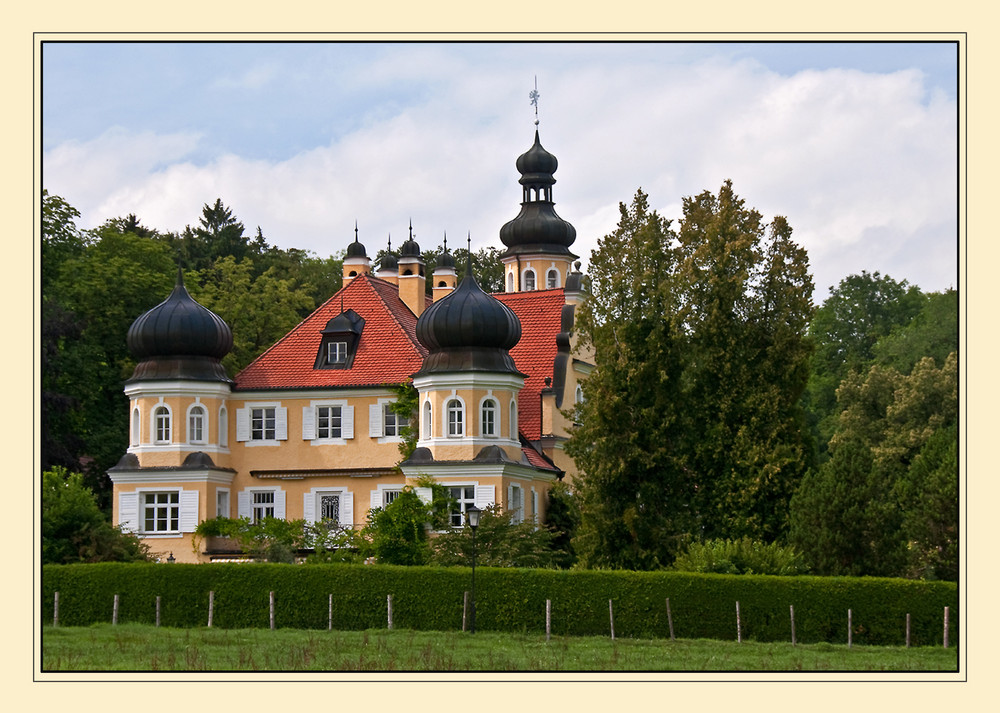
702, 605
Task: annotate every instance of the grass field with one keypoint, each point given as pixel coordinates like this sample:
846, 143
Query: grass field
132, 647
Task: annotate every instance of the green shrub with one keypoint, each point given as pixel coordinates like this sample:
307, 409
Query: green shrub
744, 556
431, 598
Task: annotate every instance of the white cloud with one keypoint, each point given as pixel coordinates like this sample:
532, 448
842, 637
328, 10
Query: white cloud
862, 164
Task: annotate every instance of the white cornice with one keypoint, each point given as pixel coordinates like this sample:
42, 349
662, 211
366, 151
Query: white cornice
159, 477
177, 387
468, 380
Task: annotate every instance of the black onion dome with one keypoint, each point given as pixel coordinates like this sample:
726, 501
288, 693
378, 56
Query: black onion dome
179, 338
356, 249
446, 259
537, 165
409, 249
537, 228
468, 330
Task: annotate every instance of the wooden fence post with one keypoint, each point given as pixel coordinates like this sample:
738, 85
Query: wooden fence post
548, 619
611, 614
670, 620
329, 619
465, 608
211, 607
739, 629
55, 611
946, 627
157, 609
114, 614
271, 600
907, 629
791, 611
388, 604
850, 629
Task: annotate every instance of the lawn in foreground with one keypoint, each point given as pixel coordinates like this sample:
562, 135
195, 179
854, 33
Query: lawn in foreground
133, 647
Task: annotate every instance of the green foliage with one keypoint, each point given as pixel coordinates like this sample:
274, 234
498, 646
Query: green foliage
691, 424
406, 406
507, 599
397, 533
743, 556
499, 542
933, 332
75, 530
271, 539
562, 517
848, 517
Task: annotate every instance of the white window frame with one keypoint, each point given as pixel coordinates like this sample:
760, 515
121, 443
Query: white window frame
454, 428
202, 427
336, 352
132, 512
161, 414
552, 278
136, 426
312, 504
489, 403
312, 420
222, 495
245, 429
245, 502
383, 424
510, 282
515, 503
529, 280
223, 427
380, 496
484, 496
428, 420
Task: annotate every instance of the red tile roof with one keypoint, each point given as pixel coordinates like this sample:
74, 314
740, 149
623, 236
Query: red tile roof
540, 313
388, 351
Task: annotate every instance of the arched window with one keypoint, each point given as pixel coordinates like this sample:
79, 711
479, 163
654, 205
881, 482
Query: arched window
428, 420
223, 427
579, 394
456, 418
135, 427
488, 418
552, 279
510, 281
196, 425
529, 280
161, 424
513, 419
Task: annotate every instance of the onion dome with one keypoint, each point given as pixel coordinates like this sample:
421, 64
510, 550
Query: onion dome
389, 261
356, 249
410, 248
537, 228
446, 259
179, 339
468, 330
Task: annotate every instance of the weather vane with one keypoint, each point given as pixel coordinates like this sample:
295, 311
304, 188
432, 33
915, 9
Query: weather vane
533, 96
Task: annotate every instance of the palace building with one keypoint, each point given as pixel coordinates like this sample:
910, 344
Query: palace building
305, 431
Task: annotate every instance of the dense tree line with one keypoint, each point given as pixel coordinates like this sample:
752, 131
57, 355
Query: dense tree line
726, 406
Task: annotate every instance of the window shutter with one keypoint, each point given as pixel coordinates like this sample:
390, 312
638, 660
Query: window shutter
347, 422
279, 504
243, 424
308, 423
375, 429
281, 423
347, 509
426, 495
376, 499
309, 507
189, 510
510, 501
486, 495
128, 511
243, 504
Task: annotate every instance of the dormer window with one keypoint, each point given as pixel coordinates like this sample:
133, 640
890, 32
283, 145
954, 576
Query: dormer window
339, 342
336, 353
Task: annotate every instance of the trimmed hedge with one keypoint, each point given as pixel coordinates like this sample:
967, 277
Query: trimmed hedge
702, 605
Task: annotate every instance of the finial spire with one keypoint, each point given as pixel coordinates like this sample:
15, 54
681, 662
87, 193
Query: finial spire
446, 241
355, 231
533, 96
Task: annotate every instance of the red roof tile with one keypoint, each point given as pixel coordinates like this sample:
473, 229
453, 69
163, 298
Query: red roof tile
388, 351
540, 313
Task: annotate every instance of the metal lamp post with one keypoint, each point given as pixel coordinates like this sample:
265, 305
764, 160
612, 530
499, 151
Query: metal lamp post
472, 517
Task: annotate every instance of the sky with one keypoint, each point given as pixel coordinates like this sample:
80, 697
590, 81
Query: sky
856, 144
